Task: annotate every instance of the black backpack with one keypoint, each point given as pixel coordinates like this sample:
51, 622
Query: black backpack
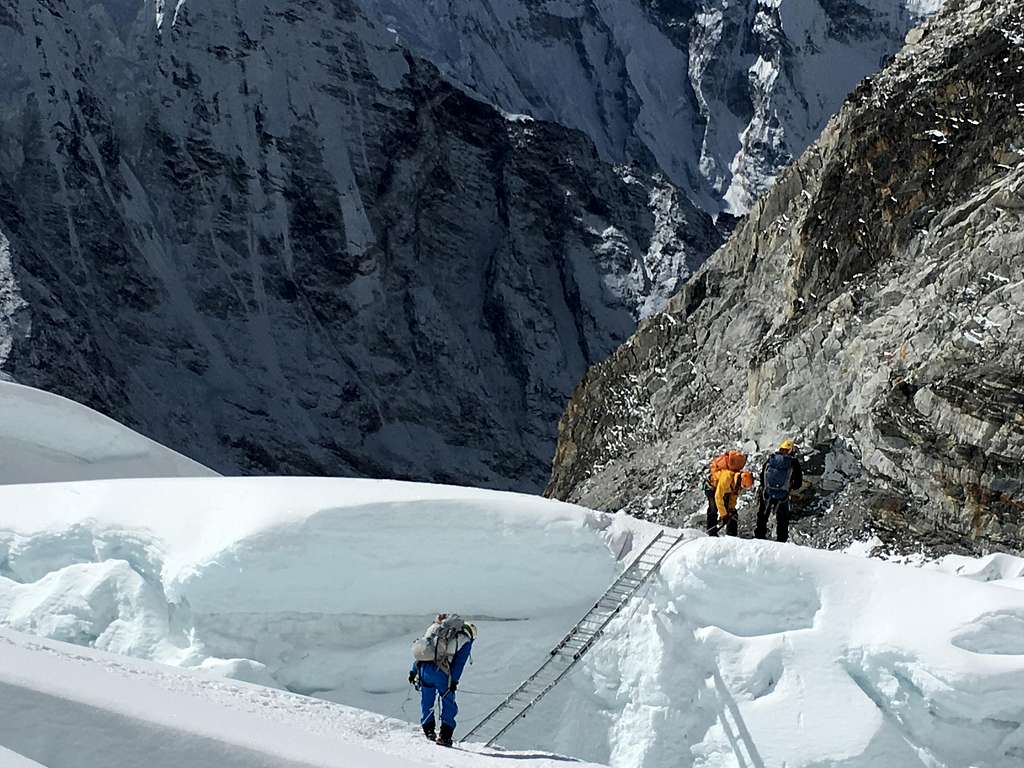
777, 474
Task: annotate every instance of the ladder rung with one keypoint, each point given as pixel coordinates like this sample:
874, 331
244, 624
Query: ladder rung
577, 642
581, 641
576, 636
575, 646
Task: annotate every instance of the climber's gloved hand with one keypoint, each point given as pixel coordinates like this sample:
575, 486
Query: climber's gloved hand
412, 677
453, 686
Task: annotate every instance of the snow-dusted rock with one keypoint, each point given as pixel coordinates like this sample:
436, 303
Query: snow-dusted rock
871, 306
720, 94
272, 239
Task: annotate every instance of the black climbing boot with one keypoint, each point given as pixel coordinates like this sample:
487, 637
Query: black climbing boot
428, 731
445, 737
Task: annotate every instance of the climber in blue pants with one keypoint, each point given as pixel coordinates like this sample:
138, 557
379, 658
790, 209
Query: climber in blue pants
452, 647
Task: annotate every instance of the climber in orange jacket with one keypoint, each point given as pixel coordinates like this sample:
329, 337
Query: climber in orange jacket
725, 482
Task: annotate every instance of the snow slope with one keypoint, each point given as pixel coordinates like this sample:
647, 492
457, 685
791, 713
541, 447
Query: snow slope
739, 654
9, 759
68, 707
313, 585
47, 438
758, 654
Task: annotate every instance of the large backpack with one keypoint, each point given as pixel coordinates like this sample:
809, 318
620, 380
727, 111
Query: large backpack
732, 460
777, 474
441, 641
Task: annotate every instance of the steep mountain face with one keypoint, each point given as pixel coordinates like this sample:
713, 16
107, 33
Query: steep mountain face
264, 235
872, 304
720, 94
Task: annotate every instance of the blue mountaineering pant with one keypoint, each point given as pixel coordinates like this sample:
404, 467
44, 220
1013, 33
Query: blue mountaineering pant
433, 681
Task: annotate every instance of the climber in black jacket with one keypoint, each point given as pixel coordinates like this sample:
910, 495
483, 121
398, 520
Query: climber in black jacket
780, 475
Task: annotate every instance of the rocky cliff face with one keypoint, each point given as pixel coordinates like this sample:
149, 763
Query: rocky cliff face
872, 305
719, 94
261, 233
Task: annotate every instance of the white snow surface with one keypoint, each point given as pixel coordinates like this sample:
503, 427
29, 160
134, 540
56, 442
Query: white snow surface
66, 706
9, 759
738, 653
45, 438
314, 585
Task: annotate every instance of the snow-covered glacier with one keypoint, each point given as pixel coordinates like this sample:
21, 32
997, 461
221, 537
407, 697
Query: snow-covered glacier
719, 94
48, 438
267, 236
317, 586
738, 653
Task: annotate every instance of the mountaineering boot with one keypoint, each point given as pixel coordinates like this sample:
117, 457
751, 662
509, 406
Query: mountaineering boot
445, 737
428, 731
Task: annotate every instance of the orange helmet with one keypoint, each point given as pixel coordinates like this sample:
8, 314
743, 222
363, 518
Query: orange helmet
747, 480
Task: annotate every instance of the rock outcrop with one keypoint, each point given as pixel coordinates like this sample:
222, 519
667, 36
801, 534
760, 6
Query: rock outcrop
872, 305
265, 235
720, 95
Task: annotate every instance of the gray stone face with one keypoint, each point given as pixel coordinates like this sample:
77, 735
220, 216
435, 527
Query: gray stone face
872, 306
271, 239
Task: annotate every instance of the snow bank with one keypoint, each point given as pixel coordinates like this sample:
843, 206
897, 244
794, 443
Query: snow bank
47, 438
999, 569
759, 654
317, 586
63, 706
10, 759
739, 654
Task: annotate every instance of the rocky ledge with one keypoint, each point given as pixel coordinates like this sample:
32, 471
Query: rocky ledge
872, 305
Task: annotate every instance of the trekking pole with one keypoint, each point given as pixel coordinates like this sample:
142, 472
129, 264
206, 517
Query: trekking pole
721, 524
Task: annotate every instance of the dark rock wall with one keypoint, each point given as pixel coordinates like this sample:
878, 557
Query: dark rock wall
271, 239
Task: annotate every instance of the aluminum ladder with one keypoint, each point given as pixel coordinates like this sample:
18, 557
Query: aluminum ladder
576, 643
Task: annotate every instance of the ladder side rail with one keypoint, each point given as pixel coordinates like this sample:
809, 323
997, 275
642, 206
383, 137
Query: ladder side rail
641, 579
578, 655
522, 713
507, 702
576, 626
